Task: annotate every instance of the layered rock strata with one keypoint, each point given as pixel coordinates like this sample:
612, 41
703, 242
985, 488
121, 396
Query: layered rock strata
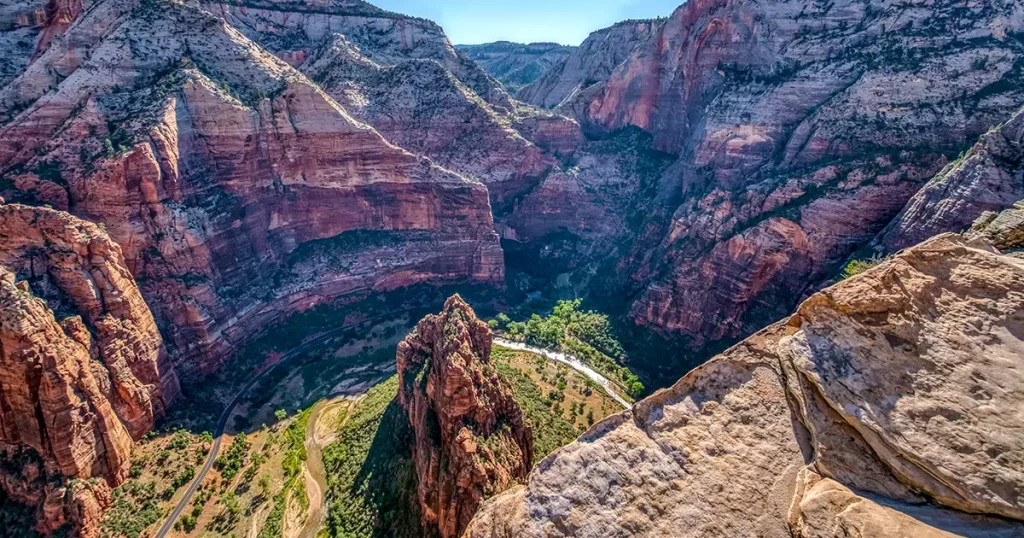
517, 64
239, 191
800, 130
884, 407
83, 368
987, 178
472, 440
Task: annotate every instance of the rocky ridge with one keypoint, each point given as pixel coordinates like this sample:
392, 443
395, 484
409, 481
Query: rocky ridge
517, 64
799, 131
988, 177
472, 440
880, 409
83, 369
239, 191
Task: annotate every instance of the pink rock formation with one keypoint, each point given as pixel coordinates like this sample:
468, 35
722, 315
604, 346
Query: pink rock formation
222, 168
74, 392
822, 119
472, 441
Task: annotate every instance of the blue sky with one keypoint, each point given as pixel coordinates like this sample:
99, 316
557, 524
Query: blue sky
471, 22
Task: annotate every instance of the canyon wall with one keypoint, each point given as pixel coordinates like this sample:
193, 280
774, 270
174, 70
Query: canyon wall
515, 64
882, 407
988, 177
83, 369
239, 191
800, 130
472, 440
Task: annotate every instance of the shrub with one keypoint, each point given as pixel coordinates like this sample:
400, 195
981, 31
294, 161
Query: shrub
857, 267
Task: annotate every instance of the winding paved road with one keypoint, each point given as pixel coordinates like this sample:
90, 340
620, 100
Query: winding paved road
572, 362
230, 409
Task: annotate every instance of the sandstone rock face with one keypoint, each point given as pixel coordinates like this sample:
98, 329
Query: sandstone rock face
884, 407
517, 64
800, 130
74, 392
294, 30
590, 63
239, 191
421, 106
989, 177
27, 27
472, 441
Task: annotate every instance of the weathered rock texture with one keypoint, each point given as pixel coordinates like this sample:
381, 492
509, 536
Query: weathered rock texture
77, 389
421, 106
886, 406
800, 129
27, 27
517, 64
591, 63
989, 177
472, 440
239, 191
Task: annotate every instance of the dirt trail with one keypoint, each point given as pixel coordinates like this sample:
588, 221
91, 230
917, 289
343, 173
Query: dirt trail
315, 473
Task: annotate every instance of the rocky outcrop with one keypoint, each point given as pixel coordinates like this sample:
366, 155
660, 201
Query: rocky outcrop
1003, 230
27, 27
83, 368
886, 406
421, 106
294, 30
989, 177
239, 191
472, 440
589, 64
793, 149
517, 64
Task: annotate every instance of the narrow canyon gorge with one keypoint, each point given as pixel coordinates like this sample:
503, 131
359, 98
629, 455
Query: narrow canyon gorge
799, 219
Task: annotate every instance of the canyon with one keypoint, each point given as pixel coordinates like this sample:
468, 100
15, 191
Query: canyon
879, 408
472, 440
180, 178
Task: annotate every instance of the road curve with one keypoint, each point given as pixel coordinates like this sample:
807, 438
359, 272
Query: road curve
572, 362
230, 409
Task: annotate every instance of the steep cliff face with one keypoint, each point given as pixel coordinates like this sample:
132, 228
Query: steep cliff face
472, 440
27, 27
83, 369
294, 30
590, 64
239, 191
517, 64
883, 407
421, 106
989, 177
800, 128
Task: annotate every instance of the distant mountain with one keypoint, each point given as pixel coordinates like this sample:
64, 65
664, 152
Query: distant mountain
515, 64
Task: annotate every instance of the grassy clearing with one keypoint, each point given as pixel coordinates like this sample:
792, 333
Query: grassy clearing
585, 335
370, 471
559, 402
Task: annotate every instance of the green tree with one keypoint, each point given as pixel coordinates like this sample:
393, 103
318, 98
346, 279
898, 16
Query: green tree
281, 414
265, 484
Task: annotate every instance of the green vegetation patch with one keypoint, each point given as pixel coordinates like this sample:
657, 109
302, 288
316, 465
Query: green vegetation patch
551, 430
135, 506
585, 335
353, 242
370, 471
857, 267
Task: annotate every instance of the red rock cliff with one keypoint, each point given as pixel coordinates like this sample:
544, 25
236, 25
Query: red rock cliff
800, 129
472, 440
77, 389
239, 191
